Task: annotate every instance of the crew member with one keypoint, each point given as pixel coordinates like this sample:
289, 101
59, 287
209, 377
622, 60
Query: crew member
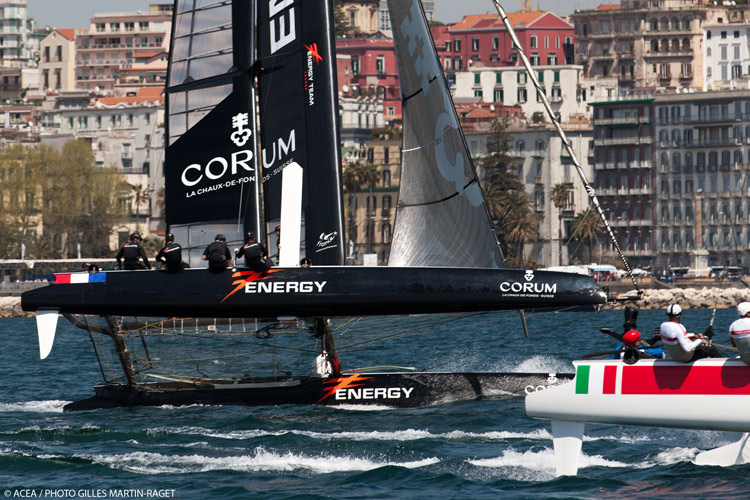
255, 254
171, 255
739, 332
633, 339
131, 252
217, 254
680, 345
277, 231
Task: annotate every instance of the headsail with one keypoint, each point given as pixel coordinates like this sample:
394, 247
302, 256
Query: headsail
299, 117
441, 217
211, 172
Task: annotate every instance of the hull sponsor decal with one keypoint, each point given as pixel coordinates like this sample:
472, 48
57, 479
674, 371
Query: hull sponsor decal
350, 388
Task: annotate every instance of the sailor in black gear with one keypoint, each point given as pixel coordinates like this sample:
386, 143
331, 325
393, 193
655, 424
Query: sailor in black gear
255, 254
171, 254
131, 252
217, 254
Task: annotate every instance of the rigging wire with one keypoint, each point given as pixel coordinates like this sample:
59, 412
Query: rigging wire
556, 123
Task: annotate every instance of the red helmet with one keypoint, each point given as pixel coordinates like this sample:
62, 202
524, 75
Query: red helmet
631, 337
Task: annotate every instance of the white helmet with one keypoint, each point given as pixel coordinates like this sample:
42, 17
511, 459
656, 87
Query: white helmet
674, 310
743, 308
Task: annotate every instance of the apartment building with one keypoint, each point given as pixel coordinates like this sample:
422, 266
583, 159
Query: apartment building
624, 173
646, 43
57, 61
702, 152
116, 43
726, 55
562, 85
15, 28
482, 40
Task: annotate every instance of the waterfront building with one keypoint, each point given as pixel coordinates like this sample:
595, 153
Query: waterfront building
646, 43
562, 85
373, 72
727, 57
702, 154
370, 212
57, 61
114, 46
624, 174
483, 40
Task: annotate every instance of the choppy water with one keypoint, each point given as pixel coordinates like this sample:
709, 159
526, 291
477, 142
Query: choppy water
484, 449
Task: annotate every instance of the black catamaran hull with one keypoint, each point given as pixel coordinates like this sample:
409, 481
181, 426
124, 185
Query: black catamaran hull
398, 390
316, 291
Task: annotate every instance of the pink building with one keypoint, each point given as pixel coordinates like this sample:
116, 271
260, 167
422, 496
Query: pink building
373, 71
483, 40
115, 43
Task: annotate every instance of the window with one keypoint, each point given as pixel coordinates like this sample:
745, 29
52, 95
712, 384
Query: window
456, 45
521, 78
534, 59
355, 65
541, 92
551, 59
143, 26
533, 42
522, 95
114, 27
475, 44
477, 78
100, 27
546, 42
129, 26
380, 64
495, 43
498, 97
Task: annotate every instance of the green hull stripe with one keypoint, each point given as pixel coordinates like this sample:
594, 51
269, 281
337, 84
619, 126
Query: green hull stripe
582, 379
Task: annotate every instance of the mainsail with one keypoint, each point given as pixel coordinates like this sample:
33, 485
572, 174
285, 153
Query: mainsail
298, 113
441, 216
211, 180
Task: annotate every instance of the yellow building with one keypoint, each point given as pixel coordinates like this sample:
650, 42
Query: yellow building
370, 210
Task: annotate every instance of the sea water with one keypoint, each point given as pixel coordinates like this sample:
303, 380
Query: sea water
483, 449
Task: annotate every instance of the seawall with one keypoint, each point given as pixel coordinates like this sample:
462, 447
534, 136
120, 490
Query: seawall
10, 307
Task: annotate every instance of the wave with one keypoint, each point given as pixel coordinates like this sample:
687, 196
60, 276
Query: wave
260, 460
51, 406
404, 435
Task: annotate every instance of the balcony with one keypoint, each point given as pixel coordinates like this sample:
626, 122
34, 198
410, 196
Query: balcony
626, 120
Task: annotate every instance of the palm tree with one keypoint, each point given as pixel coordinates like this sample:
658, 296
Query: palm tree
559, 195
161, 201
587, 227
519, 223
140, 195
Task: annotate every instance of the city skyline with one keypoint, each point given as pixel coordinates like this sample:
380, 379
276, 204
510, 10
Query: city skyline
77, 13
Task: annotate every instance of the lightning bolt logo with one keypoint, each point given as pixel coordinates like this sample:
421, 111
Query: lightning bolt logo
342, 383
244, 277
313, 49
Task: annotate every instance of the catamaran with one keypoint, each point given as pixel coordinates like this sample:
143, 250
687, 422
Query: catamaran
253, 139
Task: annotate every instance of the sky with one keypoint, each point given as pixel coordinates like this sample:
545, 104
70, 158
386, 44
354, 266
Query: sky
77, 13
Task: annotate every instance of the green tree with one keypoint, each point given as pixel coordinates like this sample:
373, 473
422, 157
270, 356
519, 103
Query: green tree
587, 226
497, 164
341, 28
54, 201
559, 195
519, 223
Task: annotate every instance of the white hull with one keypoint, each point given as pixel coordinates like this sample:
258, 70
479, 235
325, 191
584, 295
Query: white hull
711, 394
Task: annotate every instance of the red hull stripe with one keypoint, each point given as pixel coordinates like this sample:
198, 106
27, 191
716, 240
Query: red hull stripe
706, 380
610, 379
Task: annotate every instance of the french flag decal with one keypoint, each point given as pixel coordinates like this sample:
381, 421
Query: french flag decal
75, 278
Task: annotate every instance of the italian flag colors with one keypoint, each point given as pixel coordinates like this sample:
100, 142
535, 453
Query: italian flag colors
662, 379
75, 278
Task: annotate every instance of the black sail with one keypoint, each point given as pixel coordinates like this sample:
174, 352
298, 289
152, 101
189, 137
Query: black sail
211, 181
299, 117
441, 216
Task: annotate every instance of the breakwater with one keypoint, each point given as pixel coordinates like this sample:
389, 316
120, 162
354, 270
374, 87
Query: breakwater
10, 307
691, 298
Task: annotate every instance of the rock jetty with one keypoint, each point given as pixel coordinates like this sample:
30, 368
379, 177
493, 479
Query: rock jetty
692, 298
10, 307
